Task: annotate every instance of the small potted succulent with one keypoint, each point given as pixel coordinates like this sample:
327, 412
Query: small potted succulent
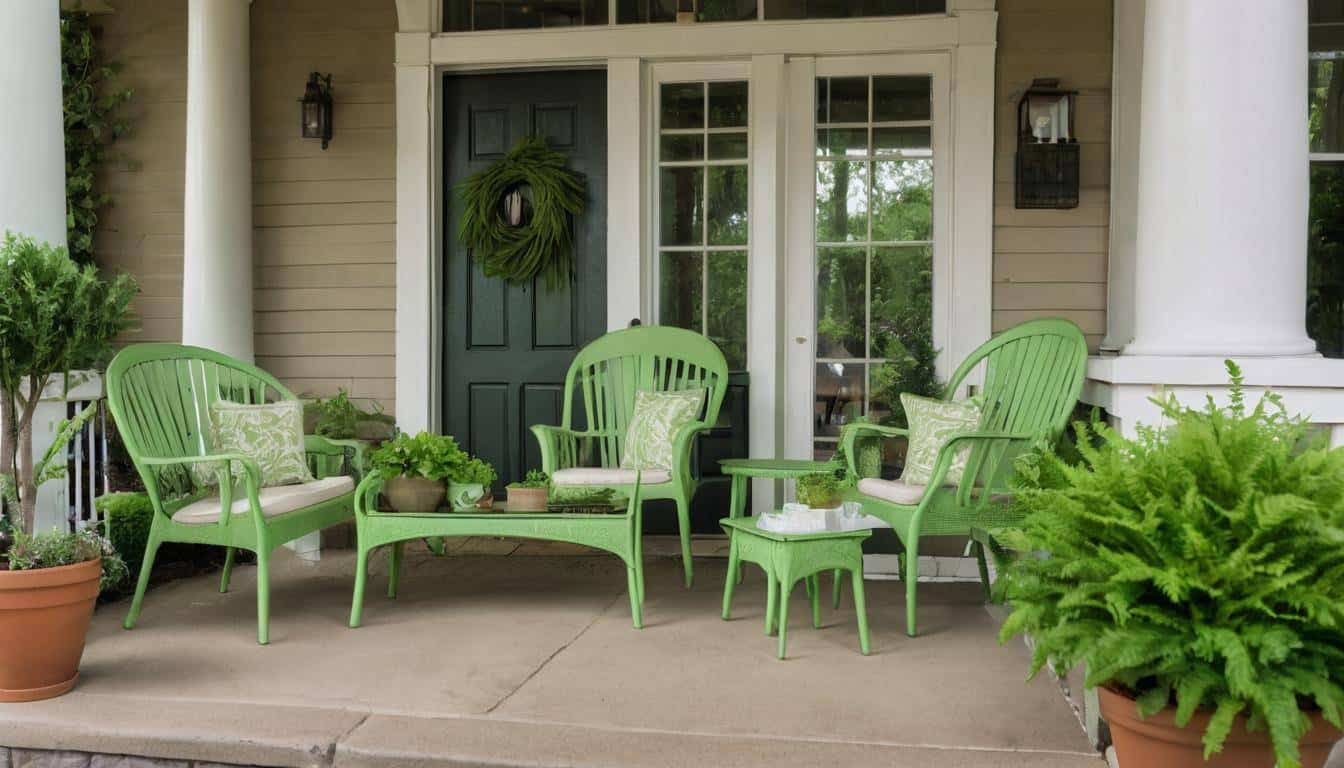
531, 493
415, 470
820, 490
469, 485
1196, 571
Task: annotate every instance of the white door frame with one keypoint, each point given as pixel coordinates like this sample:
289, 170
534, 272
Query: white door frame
966, 38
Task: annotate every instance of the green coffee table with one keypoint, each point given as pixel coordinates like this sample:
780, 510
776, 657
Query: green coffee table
788, 558
771, 469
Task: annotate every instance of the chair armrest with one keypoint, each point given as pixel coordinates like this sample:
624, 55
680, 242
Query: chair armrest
330, 446
681, 447
224, 473
559, 445
956, 442
851, 432
366, 494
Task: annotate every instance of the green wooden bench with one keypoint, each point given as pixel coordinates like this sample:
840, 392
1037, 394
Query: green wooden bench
160, 397
618, 534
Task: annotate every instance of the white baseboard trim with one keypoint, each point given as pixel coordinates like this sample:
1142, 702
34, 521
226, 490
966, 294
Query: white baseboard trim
931, 568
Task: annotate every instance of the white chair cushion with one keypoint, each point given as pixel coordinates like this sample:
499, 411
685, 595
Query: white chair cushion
604, 476
894, 491
275, 501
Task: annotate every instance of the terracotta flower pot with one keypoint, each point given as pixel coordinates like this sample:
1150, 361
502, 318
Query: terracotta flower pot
44, 616
1156, 740
528, 499
413, 494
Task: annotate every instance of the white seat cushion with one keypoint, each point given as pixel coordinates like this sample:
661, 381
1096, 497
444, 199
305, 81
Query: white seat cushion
894, 491
275, 500
901, 492
613, 476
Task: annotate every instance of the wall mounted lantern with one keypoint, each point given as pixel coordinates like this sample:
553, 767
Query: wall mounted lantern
316, 111
1047, 147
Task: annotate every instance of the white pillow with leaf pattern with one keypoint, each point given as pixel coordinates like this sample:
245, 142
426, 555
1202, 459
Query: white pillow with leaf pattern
271, 434
654, 424
932, 422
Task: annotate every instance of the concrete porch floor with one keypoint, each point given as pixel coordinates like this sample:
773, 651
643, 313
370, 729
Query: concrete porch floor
530, 660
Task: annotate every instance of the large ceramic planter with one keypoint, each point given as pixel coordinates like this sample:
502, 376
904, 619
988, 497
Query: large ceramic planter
44, 616
528, 499
1157, 741
413, 494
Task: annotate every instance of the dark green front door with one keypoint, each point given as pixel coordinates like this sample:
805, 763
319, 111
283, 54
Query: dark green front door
508, 347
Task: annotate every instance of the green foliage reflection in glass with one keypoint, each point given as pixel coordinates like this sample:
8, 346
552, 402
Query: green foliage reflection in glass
1197, 565
703, 202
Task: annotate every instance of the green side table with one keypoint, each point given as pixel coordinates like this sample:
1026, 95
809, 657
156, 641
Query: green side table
788, 558
771, 469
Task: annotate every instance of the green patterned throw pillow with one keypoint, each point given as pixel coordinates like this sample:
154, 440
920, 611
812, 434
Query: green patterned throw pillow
657, 418
271, 434
932, 422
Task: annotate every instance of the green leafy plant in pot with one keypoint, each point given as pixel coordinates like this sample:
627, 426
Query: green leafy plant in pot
820, 490
1197, 570
415, 469
55, 316
469, 485
531, 493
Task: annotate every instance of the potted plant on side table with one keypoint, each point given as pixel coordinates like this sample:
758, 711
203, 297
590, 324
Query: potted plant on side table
1198, 572
469, 485
820, 490
415, 470
55, 316
530, 494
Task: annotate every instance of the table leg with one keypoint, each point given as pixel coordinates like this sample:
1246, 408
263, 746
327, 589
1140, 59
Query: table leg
729, 581
737, 508
784, 590
394, 569
771, 600
839, 577
816, 601
861, 609
361, 575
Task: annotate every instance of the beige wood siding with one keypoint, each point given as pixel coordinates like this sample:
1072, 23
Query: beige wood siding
1054, 262
324, 221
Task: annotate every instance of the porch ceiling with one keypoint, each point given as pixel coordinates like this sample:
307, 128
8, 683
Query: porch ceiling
530, 660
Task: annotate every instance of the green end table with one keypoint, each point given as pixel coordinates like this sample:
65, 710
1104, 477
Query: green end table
788, 558
770, 469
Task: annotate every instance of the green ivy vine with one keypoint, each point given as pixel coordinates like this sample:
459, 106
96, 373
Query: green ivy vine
94, 120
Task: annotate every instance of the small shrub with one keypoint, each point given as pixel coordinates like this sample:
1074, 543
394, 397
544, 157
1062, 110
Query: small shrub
127, 518
1200, 565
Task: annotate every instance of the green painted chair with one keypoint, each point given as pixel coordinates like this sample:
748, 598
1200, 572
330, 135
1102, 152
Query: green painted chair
1033, 374
160, 396
606, 374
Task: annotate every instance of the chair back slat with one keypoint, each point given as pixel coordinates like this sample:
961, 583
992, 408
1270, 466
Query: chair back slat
612, 369
160, 397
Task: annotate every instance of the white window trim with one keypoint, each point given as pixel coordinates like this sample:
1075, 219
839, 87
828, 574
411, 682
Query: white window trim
966, 35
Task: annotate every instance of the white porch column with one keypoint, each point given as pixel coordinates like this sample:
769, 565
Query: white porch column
32, 135
217, 266
1220, 262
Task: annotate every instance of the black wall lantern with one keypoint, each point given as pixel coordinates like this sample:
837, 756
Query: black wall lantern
1047, 147
316, 111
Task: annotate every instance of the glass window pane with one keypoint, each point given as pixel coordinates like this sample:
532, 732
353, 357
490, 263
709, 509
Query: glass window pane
839, 396
902, 200
901, 98
727, 308
640, 11
902, 141
682, 147
683, 105
823, 100
681, 289
727, 10
681, 200
727, 205
902, 329
1325, 259
1325, 109
486, 15
728, 103
841, 293
834, 142
842, 201
833, 9
727, 146
849, 100
469, 15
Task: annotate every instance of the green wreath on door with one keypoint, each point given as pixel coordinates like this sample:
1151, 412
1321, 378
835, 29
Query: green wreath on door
507, 242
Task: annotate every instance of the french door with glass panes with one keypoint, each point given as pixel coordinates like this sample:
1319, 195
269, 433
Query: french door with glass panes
871, 280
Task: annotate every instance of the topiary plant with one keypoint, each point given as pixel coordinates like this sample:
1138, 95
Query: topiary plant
1199, 565
820, 490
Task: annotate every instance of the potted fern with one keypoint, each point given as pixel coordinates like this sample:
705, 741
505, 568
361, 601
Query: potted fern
1197, 570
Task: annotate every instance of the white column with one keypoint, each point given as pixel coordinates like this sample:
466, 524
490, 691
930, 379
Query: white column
32, 133
217, 267
1220, 262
